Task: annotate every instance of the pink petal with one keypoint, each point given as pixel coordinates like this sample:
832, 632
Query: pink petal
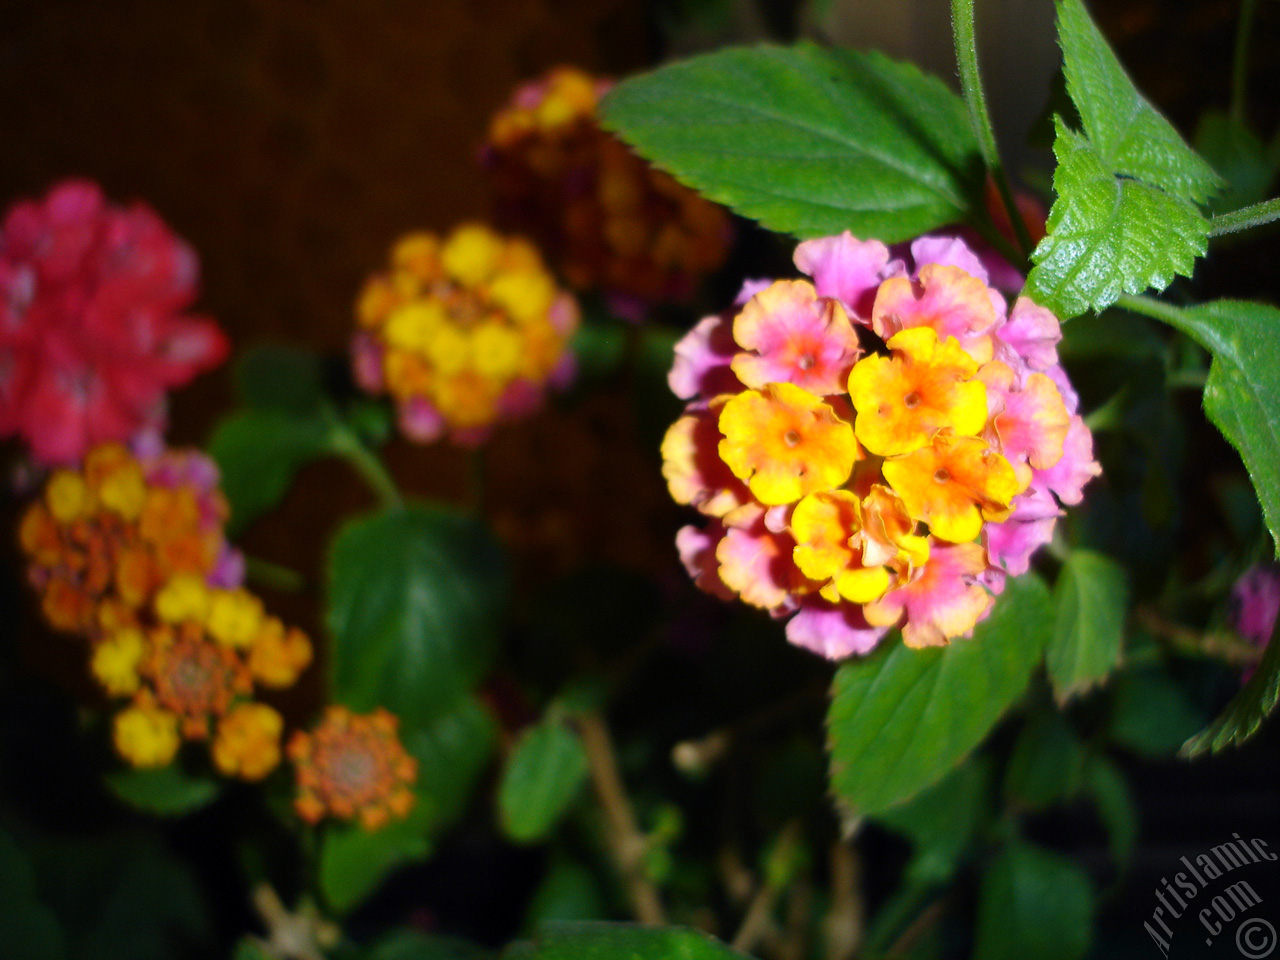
834, 631
846, 268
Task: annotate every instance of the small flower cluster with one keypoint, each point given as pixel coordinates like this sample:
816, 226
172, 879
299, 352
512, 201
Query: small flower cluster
880, 446
129, 552
463, 333
353, 766
92, 328
607, 219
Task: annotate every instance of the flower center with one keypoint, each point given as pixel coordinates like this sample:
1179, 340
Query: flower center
791, 438
911, 400
941, 475
806, 362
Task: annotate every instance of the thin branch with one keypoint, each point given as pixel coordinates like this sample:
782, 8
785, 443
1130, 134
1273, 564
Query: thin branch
845, 924
1219, 644
760, 912
626, 843
975, 99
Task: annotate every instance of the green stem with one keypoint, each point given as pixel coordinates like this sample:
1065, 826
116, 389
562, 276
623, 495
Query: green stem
1150, 307
1246, 218
1240, 63
273, 575
351, 448
976, 100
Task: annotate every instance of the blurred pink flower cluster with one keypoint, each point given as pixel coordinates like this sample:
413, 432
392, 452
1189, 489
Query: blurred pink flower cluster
93, 328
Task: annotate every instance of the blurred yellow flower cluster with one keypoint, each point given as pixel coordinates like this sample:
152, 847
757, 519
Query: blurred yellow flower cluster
463, 332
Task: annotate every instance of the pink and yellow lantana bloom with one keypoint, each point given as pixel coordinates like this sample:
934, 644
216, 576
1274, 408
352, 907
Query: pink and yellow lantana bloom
877, 446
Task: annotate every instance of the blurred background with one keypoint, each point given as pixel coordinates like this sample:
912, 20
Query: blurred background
290, 141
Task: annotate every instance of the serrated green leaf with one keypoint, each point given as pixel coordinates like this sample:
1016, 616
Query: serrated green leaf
807, 141
165, 791
1242, 395
1092, 600
616, 941
943, 821
355, 861
1245, 713
1047, 762
416, 597
543, 776
1033, 903
900, 719
1111, 795
1130, 135
258, 452
1109, 235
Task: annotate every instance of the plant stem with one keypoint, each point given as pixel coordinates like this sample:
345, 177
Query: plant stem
975, 99
351, 448
1153, 308
626, 842
273, 575
759, 914
1218, 645
1246, 218
1240, 62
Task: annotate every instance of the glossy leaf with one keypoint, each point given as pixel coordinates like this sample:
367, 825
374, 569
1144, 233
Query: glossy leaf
416, 597
1033, 903
165, 791
807, 141
452, 752
1245, 713
1092, 600
1047, 762
1109, 235
543, 776
568, 892
616, 941
1128, 133
1117, 810
1150, 713
900, 719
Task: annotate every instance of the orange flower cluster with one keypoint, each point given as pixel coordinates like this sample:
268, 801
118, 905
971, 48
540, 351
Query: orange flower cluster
463, 333
606, 218
353, 766
129, 552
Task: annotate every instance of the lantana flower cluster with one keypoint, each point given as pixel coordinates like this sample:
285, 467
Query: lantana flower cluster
353, 766
128, 551
604, 217
878, 445
93, 322
463, 333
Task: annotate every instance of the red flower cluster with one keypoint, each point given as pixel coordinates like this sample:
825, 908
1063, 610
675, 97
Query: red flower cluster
92, 323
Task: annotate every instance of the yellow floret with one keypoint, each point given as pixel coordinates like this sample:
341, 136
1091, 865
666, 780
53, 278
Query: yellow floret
471, 254
496, 350
235, 616
186, 597
526, 295
449, 351
146, 736
413, 325
123, 490
116, 660
68, 496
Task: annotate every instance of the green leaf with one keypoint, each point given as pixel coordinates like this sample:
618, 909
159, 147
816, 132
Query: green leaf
415, 945
355, 861
249, 950
165, 791
1242, 395
258, 452
807, 141
943, 821
1092, 599
416, 598
1047, 762
1108, 234
621, 941
452, 752
1240, 156
1033, 903
1129, 135
1150, 713
1114, 801
29, 930
281, 378
569, 891
1245, 713
543, 777
900, 719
